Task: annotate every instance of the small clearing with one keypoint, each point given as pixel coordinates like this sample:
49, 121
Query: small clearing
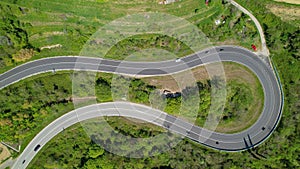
286, 13
289, 1
4, 153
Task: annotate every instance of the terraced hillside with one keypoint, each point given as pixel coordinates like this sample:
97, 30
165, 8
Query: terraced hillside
53, 28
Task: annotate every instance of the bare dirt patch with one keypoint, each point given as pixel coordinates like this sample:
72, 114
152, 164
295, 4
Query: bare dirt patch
232, 72
289, 1
51, 46
172, 82
4, 153
286, 13
23, 55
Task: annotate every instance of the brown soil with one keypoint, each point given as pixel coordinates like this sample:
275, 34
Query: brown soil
4, 154
289, 1
285, 12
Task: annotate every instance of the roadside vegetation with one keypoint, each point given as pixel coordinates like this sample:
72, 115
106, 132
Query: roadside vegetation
283, 41
135, 44
13, 37
30, 105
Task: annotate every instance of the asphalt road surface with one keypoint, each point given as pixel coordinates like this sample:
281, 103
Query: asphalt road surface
251, 137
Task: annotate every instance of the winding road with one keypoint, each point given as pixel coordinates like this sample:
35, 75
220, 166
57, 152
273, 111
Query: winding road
251, 137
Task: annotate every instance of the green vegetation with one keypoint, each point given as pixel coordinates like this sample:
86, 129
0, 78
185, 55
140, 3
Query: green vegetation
237, 29
281, 150
242, 108
13, 36
284, 44
82, 152
133, 127
135, 43
286, 11
239, 110
246, 100
33, 103
240, 102
55, 22
240, 97
30, 105
35, 24
76, 144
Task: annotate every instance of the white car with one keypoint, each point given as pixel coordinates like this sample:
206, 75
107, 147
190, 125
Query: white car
178, 60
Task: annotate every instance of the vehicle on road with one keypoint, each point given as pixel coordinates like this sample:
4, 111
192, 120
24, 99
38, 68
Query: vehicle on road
178, 60
37, 147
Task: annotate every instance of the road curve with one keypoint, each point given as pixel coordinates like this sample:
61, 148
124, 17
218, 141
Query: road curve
246, 139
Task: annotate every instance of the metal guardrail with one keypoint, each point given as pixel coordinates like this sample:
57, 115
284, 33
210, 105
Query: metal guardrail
281, 90
10, 147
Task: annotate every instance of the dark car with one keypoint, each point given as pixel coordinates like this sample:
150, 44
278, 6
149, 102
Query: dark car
37, 147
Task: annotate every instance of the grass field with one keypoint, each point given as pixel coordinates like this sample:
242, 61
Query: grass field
71, 23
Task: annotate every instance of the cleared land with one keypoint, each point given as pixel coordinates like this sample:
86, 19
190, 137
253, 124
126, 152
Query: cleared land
289, 1
4, 153
288, 13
